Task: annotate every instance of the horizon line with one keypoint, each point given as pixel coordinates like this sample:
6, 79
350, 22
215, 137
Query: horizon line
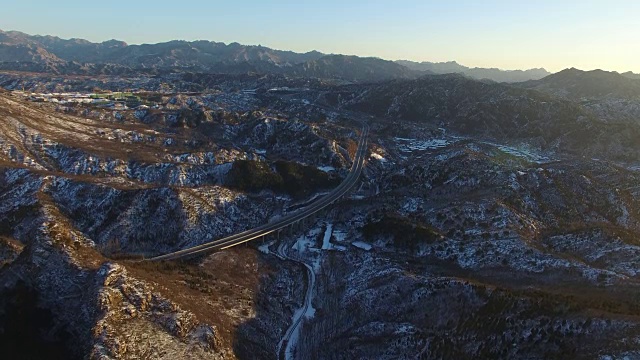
311, 51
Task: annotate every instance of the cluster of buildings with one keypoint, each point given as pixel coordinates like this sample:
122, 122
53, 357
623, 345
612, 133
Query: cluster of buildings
112, 100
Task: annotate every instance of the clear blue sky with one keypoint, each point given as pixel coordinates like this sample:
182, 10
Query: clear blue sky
557, 34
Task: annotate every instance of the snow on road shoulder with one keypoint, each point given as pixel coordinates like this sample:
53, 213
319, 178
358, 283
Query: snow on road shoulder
264, 248
306, 242
362, 245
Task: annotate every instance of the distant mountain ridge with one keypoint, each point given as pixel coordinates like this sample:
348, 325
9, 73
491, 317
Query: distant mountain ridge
354, 67
503, 113
494, 74
172, 54
50, 54
613, 97
631, 75
578, 84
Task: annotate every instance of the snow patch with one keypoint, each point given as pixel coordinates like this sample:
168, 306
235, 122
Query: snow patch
411, 145
326, 168
264, 248
362, 245
378, 157
326, 241
340, 236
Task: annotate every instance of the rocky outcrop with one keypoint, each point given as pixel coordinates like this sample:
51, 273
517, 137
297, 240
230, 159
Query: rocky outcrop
9, 250
107, 313
137, 322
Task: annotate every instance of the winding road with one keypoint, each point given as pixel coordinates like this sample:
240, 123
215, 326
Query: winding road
266, 229
286, 345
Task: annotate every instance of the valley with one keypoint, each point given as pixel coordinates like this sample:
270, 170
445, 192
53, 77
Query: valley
315, 212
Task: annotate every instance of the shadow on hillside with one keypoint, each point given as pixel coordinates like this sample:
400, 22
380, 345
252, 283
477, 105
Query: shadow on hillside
27, 330
280, 292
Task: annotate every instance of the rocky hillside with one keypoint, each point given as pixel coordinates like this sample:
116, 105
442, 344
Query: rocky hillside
498, 112
490, 221
470, 249
84, 188
172, 167
63, 296
576, 84
613, 97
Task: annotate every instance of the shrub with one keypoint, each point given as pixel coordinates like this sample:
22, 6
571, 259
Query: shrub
289, 177
300, 180
249, 175
405, 232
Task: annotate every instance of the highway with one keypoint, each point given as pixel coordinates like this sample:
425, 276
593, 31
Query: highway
266, 229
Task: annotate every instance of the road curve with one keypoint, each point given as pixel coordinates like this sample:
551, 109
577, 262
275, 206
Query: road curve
266, 229
285, 346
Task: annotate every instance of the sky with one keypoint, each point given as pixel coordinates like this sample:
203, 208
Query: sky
516, 34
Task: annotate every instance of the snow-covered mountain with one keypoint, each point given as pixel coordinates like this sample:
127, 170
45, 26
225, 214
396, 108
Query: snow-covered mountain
490, 221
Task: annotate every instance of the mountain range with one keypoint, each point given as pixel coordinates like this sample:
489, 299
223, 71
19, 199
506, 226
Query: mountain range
476, 73
507, 113
577, 84
612, 97
50, 54
492, 220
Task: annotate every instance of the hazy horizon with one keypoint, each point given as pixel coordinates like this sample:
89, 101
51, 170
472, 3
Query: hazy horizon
493, 34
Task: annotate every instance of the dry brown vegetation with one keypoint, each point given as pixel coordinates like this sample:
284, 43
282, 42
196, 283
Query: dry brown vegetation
352, 147
61, 231
9, 250
220, 291
85, 133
